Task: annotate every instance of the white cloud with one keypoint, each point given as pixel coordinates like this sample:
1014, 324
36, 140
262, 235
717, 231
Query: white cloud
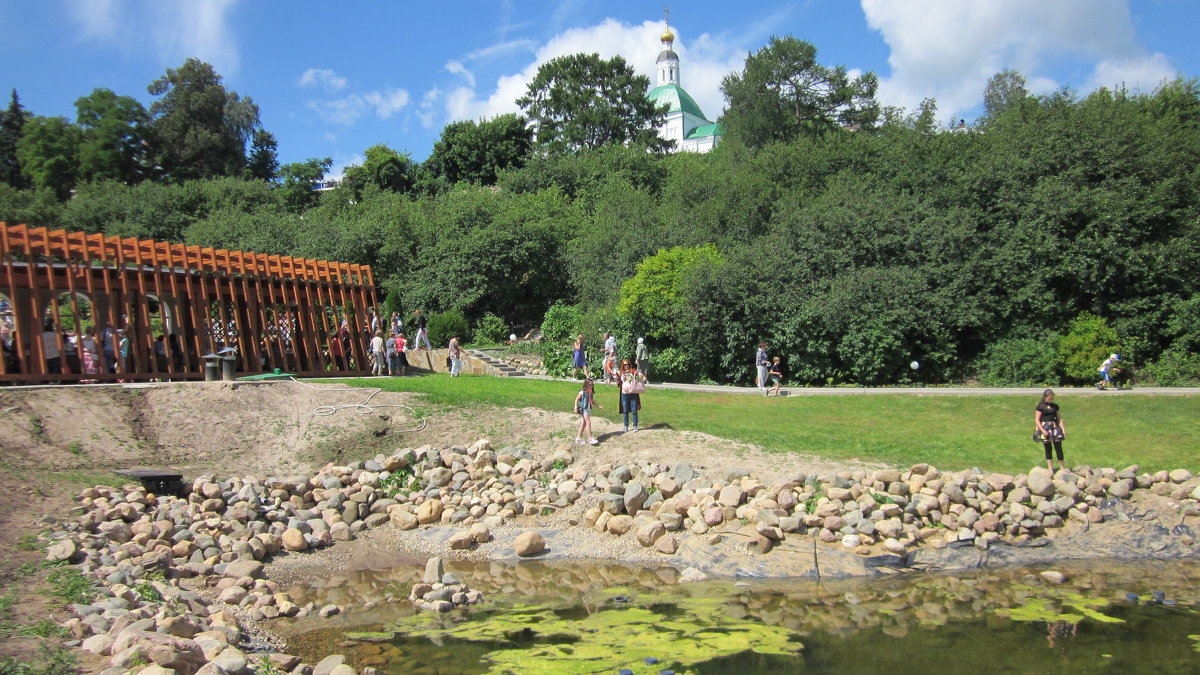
173, 29
948, 49
324, 78
704, 61
382, 103
426, 111
457, 68
340, 162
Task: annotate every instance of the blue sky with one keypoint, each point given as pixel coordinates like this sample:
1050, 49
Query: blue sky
333, 78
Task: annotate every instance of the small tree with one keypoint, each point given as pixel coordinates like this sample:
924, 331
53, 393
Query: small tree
447, 324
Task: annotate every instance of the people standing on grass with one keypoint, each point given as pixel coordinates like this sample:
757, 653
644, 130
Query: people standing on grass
577, 359
584, 400
633, 383
422, 331
776, 374
642, 356
456, 355
401, 357
762, 362
379, 354
1048, 425
389, 349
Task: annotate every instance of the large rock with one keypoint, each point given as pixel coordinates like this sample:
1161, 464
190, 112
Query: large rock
402, 519
1180, 476
433, 571
666, 544
635, 496
650, 532
460, 541
1040, 482
60, 551
731, 495
430, 511
244, 568
620, 525
293, 540
529, 543
327, 664
183, 656
887, 475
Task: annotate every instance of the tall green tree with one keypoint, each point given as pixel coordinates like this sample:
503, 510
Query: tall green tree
114, 143
200, 128
263, 163
383, 169
475, 152
1004, 90
299, 180
582, 101
12, 121
783, 94
49, 154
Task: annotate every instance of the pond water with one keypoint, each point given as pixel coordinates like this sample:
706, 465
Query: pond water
588, 617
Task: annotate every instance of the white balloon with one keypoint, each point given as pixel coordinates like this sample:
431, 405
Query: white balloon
914, 365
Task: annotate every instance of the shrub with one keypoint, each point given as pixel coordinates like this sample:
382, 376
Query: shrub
561, 324
1089, 340
1020, 362
673, 365
1175, 368
447, 324
491, 328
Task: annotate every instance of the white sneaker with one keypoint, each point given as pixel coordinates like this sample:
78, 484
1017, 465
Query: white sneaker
592, 441
578, 441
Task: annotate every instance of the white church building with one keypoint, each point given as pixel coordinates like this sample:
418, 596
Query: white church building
685, 122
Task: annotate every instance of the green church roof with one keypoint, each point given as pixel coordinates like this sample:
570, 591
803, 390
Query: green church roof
675, 98
714, 129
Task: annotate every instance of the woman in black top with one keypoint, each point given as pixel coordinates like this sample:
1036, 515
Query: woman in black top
1047, 421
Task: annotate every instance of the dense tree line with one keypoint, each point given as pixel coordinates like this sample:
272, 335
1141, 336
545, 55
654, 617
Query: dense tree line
854, 240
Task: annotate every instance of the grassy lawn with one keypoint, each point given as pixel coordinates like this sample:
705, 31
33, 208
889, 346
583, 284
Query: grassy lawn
950, 432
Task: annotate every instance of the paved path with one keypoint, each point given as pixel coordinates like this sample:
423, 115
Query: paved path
911, 391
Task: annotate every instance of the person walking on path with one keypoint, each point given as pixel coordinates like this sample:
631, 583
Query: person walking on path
1048, 425
1105, 371
379, 354
763, 363
584, 400
577, 360
776, 374
422, 331
397, 323
610, 357
456, 354
642, 356
633, 383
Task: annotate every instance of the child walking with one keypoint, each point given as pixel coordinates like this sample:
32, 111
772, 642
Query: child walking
776, 374
584, 400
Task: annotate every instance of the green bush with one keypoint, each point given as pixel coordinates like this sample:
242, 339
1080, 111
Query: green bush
556, 359
561, 324
1020, 362
1088, 342
1175, 368
673, 365
491, 328
447, 324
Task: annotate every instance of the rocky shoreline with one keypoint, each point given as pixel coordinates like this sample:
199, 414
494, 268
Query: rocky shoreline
182, 586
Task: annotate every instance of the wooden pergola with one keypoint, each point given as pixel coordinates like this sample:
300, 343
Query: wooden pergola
154, 309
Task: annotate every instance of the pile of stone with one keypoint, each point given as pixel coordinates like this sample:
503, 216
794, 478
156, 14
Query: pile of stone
441, 591
896, 509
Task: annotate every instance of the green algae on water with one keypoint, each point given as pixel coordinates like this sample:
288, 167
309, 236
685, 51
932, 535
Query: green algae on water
1060, 605
536, 640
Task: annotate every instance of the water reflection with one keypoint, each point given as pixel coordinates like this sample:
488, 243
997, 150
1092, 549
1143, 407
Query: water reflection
1011, 619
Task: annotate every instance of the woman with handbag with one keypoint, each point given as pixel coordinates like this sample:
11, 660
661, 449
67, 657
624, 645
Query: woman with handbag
633, 383
1049, 429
